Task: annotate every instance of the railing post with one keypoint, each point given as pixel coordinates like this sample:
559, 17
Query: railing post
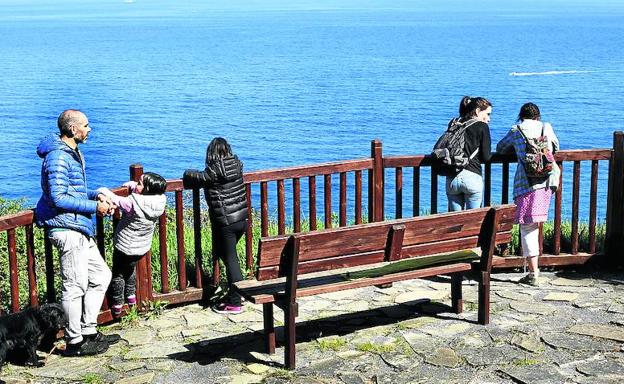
143, 279
376, 184
614, 238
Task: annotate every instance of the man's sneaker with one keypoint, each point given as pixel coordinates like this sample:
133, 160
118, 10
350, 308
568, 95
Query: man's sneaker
228, 309
99, 337
529, 279
85, 348
131, 300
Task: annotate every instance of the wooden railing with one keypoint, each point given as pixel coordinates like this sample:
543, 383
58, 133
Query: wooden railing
563, 158
349, 175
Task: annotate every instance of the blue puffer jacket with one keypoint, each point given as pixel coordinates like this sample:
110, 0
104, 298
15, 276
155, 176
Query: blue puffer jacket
66, 202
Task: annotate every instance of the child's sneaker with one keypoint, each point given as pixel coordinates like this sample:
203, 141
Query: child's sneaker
227, 309
116, 310
131, 301
530, 279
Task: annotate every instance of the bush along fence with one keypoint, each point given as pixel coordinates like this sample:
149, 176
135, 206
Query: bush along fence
180, 268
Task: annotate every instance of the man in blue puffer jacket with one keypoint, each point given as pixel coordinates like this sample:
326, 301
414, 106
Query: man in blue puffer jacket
65, 210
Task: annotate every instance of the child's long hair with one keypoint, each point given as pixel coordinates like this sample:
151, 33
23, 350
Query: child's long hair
153, 184
529, 111
218, 149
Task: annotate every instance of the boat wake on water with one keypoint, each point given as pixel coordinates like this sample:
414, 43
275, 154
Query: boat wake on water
558, 72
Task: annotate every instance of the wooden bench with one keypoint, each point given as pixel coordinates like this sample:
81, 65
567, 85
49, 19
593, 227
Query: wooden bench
375, 254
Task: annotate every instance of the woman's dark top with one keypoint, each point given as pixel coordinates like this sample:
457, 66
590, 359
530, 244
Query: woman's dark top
223, 185
478, 135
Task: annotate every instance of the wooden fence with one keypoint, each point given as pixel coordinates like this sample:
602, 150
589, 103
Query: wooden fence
372, 170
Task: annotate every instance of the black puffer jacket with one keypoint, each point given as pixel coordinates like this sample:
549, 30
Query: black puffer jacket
223, 185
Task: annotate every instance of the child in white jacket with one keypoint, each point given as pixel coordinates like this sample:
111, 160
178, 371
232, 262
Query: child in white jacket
134, 232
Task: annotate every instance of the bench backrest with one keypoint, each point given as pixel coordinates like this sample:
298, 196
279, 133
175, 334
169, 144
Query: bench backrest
382, 241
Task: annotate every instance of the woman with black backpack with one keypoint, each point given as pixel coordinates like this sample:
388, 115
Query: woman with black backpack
464, 188
537, 176
222, 180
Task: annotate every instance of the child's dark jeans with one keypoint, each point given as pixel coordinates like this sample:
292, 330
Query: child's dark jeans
224, 240
124, 276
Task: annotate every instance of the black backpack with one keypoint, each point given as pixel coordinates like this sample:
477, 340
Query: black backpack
449, 154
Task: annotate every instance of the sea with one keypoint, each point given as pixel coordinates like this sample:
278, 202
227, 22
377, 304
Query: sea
298, 82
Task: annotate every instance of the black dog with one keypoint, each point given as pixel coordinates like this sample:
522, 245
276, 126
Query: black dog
21, 333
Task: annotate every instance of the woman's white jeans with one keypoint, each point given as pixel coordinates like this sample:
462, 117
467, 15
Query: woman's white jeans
529, 239
85, 278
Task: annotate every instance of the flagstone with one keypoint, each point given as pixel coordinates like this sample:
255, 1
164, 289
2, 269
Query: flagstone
444, 357
202, 318
257, 369
136, 337
534, 374
560, 296
599, 330
139, 379
529, 343
616, 308
574, 342
601, 367
514, 295
564, 282
492, 355
244, 378
127, 366
447, 330
535, 308
160, 349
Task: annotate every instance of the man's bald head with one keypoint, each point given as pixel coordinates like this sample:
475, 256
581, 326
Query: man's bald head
67, 119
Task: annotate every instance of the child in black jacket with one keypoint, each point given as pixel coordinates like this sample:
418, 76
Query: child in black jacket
222, 180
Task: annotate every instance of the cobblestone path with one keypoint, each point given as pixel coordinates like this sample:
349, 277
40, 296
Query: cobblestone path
571, 329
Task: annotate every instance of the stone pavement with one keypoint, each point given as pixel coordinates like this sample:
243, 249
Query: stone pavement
571, 329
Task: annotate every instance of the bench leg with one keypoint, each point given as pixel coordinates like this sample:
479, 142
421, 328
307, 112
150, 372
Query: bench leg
484, 298
457, 301
290, 314
269, 327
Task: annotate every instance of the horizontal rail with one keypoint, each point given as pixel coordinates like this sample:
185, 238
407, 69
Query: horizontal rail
20, 219
308, 170
498, 158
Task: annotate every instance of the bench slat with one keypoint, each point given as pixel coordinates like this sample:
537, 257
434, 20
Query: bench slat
260, 292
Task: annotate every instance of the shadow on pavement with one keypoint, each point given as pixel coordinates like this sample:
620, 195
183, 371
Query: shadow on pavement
240, 346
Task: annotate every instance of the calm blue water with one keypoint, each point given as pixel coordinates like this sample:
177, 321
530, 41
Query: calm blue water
294, 84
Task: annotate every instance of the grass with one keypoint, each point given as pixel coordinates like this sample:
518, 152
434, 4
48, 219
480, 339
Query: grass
282, 374
375, 348
525, 362
131, 318
333, 344
92, 378
153, 309
188, 238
